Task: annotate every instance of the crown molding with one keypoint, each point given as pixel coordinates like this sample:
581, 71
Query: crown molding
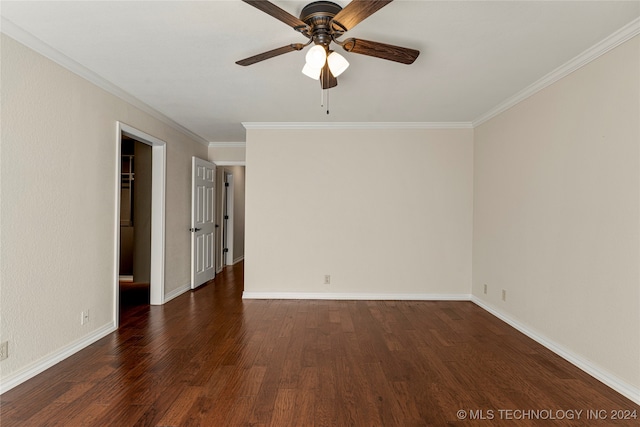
22, 36
617, 38
229, 163
355, 125
238, 144
624, 34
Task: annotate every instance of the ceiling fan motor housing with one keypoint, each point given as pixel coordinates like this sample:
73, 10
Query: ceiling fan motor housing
318, 15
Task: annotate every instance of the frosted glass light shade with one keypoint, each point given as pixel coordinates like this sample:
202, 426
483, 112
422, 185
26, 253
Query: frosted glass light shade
316, 57
337, 63
310, 71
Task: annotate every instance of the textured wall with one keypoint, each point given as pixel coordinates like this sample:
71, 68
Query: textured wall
556, 212
227, 154
58, 188
381, 211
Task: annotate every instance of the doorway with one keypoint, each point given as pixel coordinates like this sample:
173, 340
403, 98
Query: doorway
227, 218
135, 223
230, 213
145, 169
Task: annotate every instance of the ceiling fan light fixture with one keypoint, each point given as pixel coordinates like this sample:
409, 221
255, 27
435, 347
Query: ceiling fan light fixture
316, 57
337, 63
312, 72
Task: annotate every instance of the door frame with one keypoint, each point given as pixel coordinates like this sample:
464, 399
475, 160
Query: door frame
158, 197
228, 223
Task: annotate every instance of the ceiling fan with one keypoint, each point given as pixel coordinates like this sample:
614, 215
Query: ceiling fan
324, 22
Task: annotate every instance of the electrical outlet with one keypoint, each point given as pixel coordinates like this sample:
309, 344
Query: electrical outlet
84, 317
327, 279
4, 350
485, 288
504, 295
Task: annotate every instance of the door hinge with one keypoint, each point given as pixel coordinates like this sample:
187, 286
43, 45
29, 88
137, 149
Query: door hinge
226, 217
225, 250
226, 184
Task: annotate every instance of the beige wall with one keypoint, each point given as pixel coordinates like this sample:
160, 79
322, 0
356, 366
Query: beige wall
384, 212
556, 213
227, 154
58, 199
142, 213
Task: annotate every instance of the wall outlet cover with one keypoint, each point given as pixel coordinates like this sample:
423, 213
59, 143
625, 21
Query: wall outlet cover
4, 350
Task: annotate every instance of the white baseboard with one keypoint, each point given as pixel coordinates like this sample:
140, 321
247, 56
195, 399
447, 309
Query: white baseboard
237, 260
621, 386
355, 296
176, 293
48, 361
629, 391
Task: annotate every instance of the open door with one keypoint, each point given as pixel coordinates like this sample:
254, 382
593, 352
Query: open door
202, 222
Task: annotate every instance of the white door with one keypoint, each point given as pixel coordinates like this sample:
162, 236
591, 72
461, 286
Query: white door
202, 222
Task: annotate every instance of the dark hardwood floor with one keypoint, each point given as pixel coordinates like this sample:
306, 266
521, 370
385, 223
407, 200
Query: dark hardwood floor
208, 358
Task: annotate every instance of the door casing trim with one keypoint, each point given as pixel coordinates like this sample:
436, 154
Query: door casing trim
158, 197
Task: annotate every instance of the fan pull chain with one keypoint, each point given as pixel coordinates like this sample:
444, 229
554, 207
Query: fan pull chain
324, 98
327, 102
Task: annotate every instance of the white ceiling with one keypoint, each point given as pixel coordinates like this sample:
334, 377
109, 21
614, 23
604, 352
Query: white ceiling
179, 56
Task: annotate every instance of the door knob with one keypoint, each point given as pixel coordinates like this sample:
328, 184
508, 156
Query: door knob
195, 229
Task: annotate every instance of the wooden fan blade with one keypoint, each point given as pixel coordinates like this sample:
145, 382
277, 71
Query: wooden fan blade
280, 14
270, 54
327, 80
389, 52
356, 12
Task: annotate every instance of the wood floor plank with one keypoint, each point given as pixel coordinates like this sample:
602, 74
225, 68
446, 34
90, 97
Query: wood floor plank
180, 406
238, 412
208, 358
